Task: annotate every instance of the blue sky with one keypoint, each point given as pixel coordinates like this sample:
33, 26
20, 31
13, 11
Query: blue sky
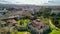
35, 2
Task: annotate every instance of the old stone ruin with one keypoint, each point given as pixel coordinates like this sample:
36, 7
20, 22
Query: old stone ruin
38, 27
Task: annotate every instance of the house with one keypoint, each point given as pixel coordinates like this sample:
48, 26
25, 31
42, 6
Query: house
21, 14
17, 14
12, 21
2, 12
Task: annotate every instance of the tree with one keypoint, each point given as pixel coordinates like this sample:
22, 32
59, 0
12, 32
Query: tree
46, 12
53, 14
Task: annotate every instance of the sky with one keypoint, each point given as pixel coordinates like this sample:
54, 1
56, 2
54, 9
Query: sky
33, 2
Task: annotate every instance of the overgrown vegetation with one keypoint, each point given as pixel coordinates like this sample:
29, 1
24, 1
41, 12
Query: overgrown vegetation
23, 22
44, 14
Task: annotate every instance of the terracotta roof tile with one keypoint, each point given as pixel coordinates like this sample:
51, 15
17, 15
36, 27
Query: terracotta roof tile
12, 21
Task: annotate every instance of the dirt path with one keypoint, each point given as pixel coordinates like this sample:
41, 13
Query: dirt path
53, 26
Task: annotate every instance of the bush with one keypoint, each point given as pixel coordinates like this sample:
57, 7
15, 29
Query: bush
23, 22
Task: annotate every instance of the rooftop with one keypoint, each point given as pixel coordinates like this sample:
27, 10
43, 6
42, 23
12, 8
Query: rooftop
12, 21
38, 22
3, 11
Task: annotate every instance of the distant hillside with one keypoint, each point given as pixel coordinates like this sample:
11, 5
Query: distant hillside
28, 6
14, 5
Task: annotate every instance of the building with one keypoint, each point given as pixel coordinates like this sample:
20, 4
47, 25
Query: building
38, 27
56, 11
2, 12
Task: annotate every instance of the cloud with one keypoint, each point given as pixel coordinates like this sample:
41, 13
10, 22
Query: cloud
54, 2
36, 2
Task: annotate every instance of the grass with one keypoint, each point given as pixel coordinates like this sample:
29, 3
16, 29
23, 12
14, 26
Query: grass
24, 23
23, 33
44, 19
19, 32
51, 25
55, 32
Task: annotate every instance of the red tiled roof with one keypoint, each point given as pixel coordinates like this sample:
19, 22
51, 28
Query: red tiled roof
12, 21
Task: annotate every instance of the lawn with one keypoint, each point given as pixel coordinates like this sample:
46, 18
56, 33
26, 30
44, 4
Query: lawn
55, 32
23, 33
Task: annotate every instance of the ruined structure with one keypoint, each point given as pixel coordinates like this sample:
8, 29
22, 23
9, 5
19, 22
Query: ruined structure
38, 27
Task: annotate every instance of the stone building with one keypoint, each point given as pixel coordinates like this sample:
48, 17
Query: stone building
38, 27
